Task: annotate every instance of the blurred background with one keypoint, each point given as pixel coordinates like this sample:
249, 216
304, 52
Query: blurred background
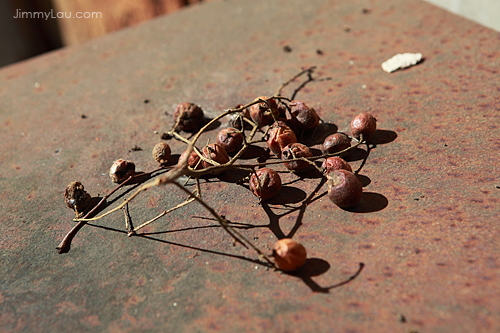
29, 28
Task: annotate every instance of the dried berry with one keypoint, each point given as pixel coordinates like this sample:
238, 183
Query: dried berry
335, 163
278, 137
303, 116
193, 160
335, 143
265, 183
296, 150
161, 153
264, 113
344, 188
76, 197
230, 139
236, 120
289, 254
188, 117
363, 126
215, 153
121, 170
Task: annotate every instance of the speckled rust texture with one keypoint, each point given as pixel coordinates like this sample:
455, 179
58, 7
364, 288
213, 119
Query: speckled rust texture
426, 231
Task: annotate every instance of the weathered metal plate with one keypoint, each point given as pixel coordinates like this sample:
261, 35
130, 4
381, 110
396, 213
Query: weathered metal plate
427, 231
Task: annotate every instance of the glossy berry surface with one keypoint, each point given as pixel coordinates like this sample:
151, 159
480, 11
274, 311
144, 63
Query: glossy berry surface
303, 116
296, 150
265, 183
230, 139
289, 255
344, 188
363, 126
121, 170
193, 160
335, 143
161, 153
278, 137
264, 113
188, 117
335, 163
215, 153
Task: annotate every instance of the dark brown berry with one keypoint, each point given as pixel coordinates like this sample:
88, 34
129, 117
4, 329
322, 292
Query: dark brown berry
193, 160
264, 113
296, 150
363, 126
161, 153
344, 188
265, 183
216, 153
303, 116
237, 120
335, 143
121, 170
188, 117
230, 139
335, 163
76, 197
278, 137
289, 254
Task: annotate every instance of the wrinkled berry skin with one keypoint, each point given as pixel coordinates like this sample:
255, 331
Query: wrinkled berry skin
269, 181
121, 170
192, 160
344, 188
76, 197
289, 254
161, 153
261, 114
296, 150
230, 139
278, 137
363, 125
189, 117
216, 153
236, 119
302, 116
335, 143
335, 163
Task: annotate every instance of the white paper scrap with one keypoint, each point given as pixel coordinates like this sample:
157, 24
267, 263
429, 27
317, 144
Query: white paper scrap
401, 60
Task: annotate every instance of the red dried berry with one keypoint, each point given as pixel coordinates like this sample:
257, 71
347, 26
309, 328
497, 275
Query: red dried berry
161, 153
215, 153
344, 188
193, 160
335, 143
265, 183
278, 137
289, 254
264, 113
296, 150
76, 197
335, 163
303, 116
121, 170
230, 139
188, 117
363, 126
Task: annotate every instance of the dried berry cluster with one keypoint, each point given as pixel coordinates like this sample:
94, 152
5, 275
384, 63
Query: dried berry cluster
275, 121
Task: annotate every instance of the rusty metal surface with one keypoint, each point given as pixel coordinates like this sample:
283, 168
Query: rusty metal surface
427, 231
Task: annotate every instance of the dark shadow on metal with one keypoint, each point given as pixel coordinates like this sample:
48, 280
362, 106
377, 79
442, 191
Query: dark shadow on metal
370, 202
320, 133
381, 137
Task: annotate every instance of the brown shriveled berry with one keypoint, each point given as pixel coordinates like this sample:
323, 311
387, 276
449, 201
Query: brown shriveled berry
296, 150
121, 170
76, 197
278, 137
344, 188
193, 160
289, 254
188, 117
303, 116
363, 126
335, 163
215, 153
230, 139
161, 153
236, 120
335, 143
264, 113
265, 183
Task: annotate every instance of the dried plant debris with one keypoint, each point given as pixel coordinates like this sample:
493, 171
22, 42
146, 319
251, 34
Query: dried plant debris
400, 61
